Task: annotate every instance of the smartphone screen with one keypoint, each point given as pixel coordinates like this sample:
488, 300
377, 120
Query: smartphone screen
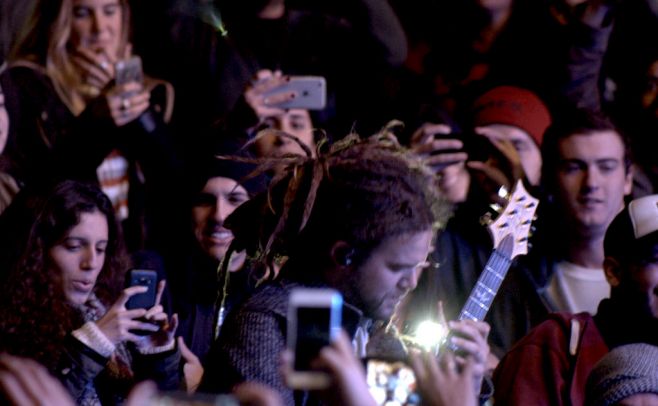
141, 277
313, 333
391, 383
129, 70
310, 91
314, 319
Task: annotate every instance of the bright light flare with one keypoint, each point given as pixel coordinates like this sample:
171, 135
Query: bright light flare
430, 335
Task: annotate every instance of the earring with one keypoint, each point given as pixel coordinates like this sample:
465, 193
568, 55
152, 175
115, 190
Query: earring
346, 258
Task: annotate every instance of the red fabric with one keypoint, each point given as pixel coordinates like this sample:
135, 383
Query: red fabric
513, 106
539, 370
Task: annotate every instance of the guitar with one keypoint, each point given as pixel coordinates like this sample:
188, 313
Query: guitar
509, 233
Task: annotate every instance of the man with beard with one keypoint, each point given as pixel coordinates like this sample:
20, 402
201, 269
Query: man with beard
359, 219
550, 365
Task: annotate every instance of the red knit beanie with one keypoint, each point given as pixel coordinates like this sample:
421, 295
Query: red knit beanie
513, 106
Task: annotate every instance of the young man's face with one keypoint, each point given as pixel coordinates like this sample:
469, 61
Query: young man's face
390, 272
592, 180
219, 198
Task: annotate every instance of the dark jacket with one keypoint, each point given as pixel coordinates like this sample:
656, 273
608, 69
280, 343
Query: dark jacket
48, 143
197, 300
252, 338
80, 366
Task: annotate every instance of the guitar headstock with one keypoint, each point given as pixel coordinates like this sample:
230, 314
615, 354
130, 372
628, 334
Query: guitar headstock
514, 221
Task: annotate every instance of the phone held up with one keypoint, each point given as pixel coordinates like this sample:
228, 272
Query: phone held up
478, 147
128, 71
391, 382
314, 321
146, 300
310, 93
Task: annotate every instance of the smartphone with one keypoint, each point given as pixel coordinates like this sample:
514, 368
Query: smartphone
146, 300
128, 70
478, 147
314, 320
142, 277
391, 382
311, 93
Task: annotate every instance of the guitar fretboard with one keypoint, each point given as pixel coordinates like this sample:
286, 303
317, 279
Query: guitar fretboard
487, 286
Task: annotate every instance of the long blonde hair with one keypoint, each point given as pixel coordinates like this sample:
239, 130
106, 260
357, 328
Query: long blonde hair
44, 44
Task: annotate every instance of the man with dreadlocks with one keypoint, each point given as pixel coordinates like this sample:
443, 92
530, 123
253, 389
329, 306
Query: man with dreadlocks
359, 219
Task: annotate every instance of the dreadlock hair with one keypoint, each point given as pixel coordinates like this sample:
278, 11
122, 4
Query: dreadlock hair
35, 315
361, 191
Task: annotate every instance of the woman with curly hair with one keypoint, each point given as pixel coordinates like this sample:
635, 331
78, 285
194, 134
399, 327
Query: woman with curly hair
62, 302
66, 93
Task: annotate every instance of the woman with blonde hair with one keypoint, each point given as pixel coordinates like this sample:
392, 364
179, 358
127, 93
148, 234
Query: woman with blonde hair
75, 114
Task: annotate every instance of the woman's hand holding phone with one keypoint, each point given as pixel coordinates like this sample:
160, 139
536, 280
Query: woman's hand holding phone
166, 326
122, 104
118, 322
256, 94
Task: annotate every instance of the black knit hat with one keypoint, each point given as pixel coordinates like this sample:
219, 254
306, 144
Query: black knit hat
633, 234
208, 166
625, 371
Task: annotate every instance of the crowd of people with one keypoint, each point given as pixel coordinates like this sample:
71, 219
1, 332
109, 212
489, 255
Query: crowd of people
157, 135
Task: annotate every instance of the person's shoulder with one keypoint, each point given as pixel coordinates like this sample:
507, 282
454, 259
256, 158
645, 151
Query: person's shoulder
271, 297
24, 69
25, 79
552, 333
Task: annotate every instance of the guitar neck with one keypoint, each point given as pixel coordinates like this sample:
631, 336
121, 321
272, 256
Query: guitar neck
487, 286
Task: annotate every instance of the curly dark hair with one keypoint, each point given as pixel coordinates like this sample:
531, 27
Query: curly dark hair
35, 316
361, 191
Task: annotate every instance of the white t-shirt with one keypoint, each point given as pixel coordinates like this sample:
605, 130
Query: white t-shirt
575, 289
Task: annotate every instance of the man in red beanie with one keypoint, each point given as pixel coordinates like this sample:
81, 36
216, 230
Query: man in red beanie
513, 121
507, 116
518, 116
